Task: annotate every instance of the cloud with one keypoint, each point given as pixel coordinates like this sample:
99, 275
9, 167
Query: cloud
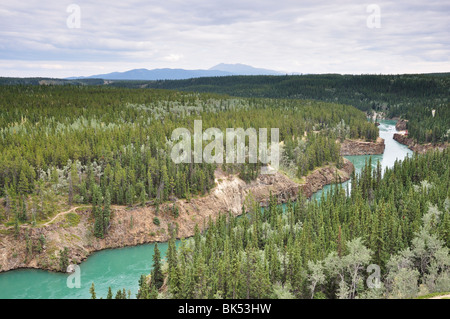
286, 35
173, 57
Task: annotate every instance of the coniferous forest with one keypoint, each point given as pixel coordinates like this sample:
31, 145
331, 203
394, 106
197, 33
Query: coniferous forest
102, 146
225, 157
63, 145
408, 96
412, 97
399, 222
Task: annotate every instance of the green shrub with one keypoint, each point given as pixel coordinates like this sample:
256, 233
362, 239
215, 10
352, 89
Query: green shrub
72, 220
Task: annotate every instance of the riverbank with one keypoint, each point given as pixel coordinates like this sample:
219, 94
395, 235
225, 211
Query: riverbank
403, 138
419, 148
137, 225
360, 147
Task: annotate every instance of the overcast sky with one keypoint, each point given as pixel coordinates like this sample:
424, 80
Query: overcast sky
42, 38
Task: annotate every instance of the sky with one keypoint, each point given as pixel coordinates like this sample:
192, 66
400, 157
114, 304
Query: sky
59, 38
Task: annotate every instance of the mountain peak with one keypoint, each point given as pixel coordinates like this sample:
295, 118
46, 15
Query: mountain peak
221, 69
243, 69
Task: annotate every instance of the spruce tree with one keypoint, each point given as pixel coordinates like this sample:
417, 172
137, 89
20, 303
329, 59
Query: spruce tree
109, 295
144, 288
106, 211
92, 291
157, 275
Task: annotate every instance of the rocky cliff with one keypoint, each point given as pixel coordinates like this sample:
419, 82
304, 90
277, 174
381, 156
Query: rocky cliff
133, 226
419, 148
401, 125
359, 147
403, 139
325, 176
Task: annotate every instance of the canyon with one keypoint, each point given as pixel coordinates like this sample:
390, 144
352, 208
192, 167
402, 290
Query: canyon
130, 226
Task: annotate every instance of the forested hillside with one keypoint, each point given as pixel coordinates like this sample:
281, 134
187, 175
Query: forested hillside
101, 145
399, 222
412, 97
409, 96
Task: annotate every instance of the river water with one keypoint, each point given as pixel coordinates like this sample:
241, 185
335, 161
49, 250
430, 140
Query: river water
122, 267
393, 151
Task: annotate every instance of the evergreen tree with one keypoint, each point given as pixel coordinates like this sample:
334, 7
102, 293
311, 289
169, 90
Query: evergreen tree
110, 295
144, 288
92, 291
157, 275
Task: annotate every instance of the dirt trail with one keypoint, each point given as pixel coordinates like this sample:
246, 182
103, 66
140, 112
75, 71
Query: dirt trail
60, 214
46, 223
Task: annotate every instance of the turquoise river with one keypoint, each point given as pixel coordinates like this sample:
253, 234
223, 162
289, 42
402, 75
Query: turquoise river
119, 268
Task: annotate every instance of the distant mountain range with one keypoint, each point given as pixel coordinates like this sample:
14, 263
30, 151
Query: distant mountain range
181, 74
242, 69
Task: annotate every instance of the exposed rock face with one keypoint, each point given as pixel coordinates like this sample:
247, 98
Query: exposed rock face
133, 226
419, 148
358, 147
403, 139
401, 125
324, 176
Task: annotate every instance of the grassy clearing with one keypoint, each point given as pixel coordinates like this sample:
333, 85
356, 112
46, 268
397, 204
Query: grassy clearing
71, 220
